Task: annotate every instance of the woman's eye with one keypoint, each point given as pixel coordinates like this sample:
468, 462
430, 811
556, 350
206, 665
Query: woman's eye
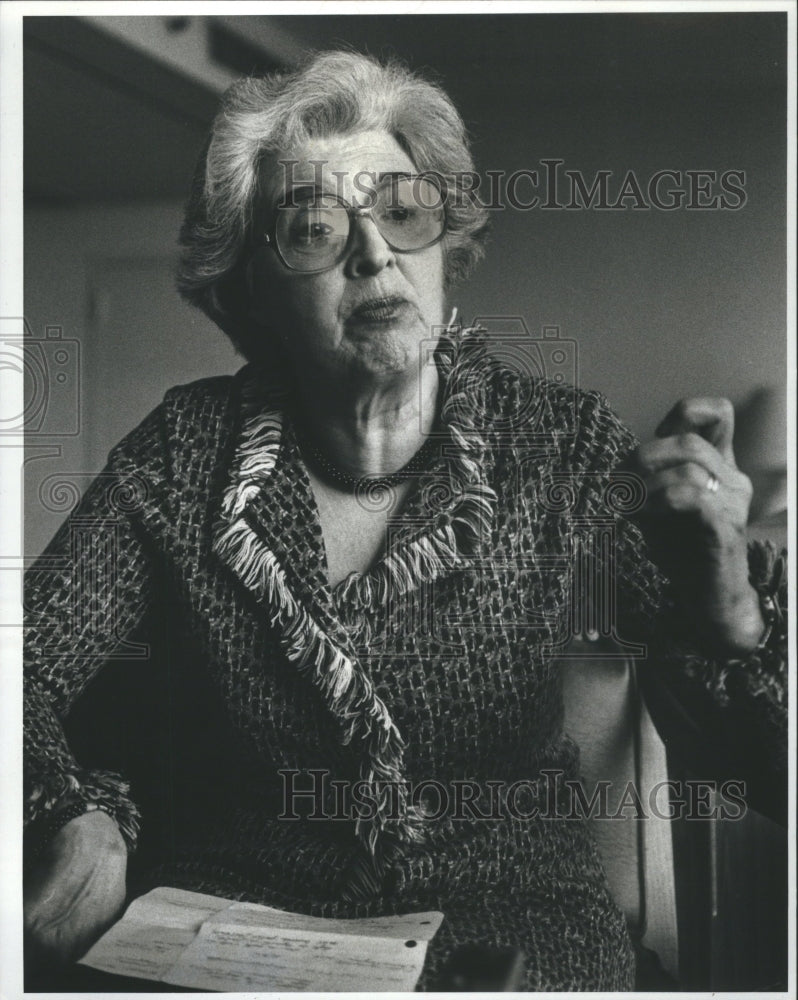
398, 213
317, 230
310, 229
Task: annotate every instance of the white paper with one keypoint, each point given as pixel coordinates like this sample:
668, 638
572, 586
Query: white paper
190, 939
153, 933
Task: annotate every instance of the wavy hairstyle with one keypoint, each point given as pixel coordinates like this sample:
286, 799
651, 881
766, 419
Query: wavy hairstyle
332, 93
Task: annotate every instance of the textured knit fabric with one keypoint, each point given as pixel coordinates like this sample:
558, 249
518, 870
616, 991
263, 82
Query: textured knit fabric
438, 663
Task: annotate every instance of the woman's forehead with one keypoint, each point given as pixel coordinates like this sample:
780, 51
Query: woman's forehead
340, 163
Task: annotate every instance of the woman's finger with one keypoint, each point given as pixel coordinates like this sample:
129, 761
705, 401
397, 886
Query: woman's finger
664, 453
710, 417
682, 488
721, 501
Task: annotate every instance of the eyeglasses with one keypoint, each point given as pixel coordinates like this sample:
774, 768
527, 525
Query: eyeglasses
313, 233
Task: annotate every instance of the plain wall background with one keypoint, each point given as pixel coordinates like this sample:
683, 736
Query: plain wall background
661, 305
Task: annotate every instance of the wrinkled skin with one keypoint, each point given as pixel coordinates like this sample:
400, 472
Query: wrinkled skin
77, 889
698, 536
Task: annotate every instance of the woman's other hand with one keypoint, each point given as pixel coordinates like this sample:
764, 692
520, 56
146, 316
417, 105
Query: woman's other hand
695, 519
76, 890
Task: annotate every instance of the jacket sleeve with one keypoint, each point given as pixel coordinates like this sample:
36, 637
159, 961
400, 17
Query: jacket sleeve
720, 719
85, 598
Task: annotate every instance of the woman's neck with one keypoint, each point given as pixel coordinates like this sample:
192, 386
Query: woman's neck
374, 430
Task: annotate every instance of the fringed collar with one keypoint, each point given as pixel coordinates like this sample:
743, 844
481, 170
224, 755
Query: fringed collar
453, 507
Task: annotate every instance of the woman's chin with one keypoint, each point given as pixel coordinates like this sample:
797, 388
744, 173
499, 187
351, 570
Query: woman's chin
382, 355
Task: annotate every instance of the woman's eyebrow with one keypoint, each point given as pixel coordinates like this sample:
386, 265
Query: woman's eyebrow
306, 191
299, 192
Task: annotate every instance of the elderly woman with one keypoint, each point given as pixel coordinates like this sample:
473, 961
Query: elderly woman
364, 543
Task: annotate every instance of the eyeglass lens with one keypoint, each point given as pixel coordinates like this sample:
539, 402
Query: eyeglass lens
407, 211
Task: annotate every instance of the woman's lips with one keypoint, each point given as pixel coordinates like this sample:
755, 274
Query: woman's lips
382, 310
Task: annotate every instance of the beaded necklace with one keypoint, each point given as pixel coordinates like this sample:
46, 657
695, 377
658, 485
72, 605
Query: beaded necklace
354, 484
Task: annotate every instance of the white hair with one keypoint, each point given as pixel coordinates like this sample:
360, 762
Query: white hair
333, 93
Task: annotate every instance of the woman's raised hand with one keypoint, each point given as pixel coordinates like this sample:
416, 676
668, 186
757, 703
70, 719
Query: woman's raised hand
76, 890
695, 518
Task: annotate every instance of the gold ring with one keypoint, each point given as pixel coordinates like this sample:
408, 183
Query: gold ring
713, 483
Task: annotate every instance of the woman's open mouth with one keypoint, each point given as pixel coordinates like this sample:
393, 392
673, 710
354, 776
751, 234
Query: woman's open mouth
382, 310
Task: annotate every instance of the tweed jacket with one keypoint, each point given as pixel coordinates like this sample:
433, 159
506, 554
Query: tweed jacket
198, 555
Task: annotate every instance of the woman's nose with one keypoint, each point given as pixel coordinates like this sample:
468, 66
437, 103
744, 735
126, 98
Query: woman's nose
369, 253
